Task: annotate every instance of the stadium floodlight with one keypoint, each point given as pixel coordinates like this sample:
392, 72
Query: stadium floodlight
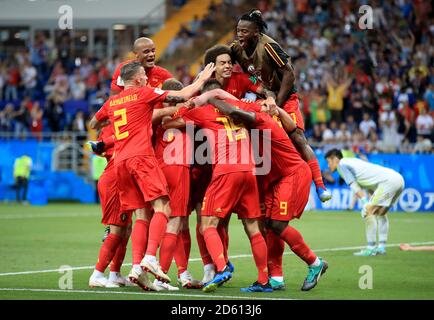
119, 27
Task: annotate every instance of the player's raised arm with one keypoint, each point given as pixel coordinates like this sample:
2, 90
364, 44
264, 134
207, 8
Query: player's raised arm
214, 93
236, 114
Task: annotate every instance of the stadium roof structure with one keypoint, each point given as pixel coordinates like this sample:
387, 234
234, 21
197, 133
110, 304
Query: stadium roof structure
86, 13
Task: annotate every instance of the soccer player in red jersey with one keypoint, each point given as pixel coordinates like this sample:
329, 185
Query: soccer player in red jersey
288, 183
115, 245
237, 84
144, 50
263, 58
140, 179
173, 149
233, 188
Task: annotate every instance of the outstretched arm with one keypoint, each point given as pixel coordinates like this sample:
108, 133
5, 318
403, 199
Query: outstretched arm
215, 93
236, 114
159, 114
187, 92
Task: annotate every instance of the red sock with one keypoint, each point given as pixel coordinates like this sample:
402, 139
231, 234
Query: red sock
157, 228
168, 246
215, 247
139, 240
295, 241
275, 247
186, 239
180, 256
225, 239
204, 254
107, 251
316, 173
119, 257
259, 250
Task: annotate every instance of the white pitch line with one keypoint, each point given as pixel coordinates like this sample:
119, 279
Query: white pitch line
231, 257
210, 296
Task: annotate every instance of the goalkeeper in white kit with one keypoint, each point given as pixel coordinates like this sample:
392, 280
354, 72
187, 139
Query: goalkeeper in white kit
386, 185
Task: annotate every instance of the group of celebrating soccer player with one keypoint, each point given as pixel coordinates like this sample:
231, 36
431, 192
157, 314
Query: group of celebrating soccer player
157, 170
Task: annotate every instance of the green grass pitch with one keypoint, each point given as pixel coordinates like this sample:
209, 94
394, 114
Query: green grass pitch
36, 241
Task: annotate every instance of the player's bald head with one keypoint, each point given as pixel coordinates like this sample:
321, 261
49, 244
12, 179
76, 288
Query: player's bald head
141, 42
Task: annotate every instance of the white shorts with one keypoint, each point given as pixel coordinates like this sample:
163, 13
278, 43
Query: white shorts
387, 193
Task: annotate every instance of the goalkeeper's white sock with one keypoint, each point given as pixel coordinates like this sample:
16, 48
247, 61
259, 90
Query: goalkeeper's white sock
371, 230
383, 230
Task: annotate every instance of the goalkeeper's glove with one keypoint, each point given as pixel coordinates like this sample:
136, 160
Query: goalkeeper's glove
97, 147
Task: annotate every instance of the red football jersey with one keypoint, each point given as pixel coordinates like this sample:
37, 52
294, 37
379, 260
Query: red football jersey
285, 158
239, 84
173, 147
229, 143
156, 76
130, 113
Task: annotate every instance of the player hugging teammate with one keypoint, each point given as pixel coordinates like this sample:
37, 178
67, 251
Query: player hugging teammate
150, 126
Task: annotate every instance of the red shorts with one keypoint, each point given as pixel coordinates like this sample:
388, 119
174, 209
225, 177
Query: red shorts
292, 107
109, 196
178, 180
262, 182
233, 192
140, 180
287, 198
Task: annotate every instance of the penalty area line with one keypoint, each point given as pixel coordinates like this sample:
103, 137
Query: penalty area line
155, 294
240, 256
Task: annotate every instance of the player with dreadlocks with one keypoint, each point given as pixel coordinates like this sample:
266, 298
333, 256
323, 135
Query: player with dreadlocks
262, 57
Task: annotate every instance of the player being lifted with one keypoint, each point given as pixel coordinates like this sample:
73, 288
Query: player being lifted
139, 177
386, 185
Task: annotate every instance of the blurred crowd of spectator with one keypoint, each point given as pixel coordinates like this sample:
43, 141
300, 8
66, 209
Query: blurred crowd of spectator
42, 92
370, 90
